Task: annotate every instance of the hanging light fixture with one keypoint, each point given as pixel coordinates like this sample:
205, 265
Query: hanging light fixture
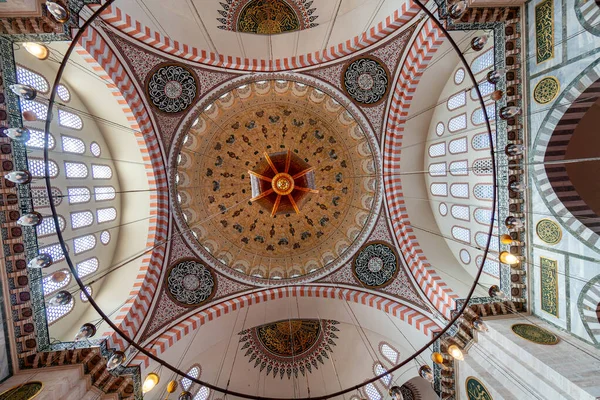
512, 222
18, 176
37, 50
115, 360
172, 387
508, 258
30, 219
60, 299
150, 382
40, 261
496, 293
457, 9
497, 95
86, 331
426, 373
506, 239
29, 116
514, 149
396, 393
509, 112
494, 77
24, 91
516, 186
455, 352
479, 42
479, 325
437, 358
20, 135
59, 13
185, 395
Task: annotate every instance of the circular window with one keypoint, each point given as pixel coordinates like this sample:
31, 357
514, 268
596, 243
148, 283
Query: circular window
443, 209
95, 149
465, 257
105, 237
459, 76
439, 129
83, 296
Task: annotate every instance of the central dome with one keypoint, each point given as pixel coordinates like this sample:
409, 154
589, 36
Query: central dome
275, 180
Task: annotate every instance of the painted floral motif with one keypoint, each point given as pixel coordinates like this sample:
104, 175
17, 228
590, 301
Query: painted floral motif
190, 283
366, 81
376, 265
172, 88
291, 345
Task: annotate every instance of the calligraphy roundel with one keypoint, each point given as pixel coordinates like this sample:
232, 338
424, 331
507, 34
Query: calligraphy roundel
172, 88
534, 334
546, 90
548, 231
190, 283
376, 265
366, 80
25, 391
476, 390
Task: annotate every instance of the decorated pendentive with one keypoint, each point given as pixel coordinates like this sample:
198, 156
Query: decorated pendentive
190, 283
172, 88
534, 334
546, 90
366, 80
476, 390
289, 346
376, 264
548, 231
266, 17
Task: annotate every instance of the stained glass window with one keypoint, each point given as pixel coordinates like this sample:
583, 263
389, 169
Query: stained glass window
54, 250
81, 219
483, 61
101, 171
380, 370
104, 193
456, 101
39, 109
63, 93
439, 189
437, 150
50, 284
106, 214
37, 167
47, 226
26, 76
73, 145
462, 234
483, 191
194, 372
460, 212
460, 190
53, 314
69, 120
76, 169
457, 123
438, 169
84, 243
87, 267
78, 195
458, 146
37, 139
459, 168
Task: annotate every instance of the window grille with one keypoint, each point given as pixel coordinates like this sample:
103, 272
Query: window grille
47, 226
481, 240
437, 150
483, 191
389, 353
95, 149
37, 167
105, 237
202, 394
106, 214
69, 120
104, 193
483, 61
37, 139
76, 169
40, 197
439, 129
459, 168
372, 392
380, 370
78, 195
460, 190
28, 77
439, 189
81, 219
456, 101
438, 169
50, 286
485, 88
63, 93
491, 266
483, 166
457, 123
101, 171
87, 267
462, 234
478, 118
465, 257
54, 250
84, 243
460, 212
443, 209
194, 372
84, 296
458, 146
39, 109
459, 76
73, 145
483, 216
53, 314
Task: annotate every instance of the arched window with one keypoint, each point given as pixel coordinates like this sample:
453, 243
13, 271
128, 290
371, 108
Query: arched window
26, 76
53, 314
87, 267
483, 166
437, 150
47, 226
73, 145
491, 266
465, 257
458, 146
378, 369
38, 170
483, 216
101, 171
54, 250
389, 353
39, 109
460, 190
457, 123
37, 139
485, 88
462, 234
105, 237
438, 169
40, 197
481, 240
194, 372
477, 118
106, 214
456, 101
459, 76
459, 168
63, 93
483, 191
78, 195
69, 120
84, 296
50, 284
202, 394
481, 141
483, 61
460, 212
439, 189
81, 219
104, 193
76, 170
84, 243
372, 392
95, 149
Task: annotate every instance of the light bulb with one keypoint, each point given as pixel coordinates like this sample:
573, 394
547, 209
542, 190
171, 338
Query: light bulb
396, 393
85, 332
115, 360
479, 325
20, 135
172, 387
508, 258
509, 112
496, 293
455, 352
437, 358
60, 299
514, 149
29, 116
37, 50
18, 176
495, 76
30, 219
457, 9
479, 42
506, 239
41, 261
150, 382
59, 13
516, 186
513, 222
24, 91
426, 373
185, 395
497, 95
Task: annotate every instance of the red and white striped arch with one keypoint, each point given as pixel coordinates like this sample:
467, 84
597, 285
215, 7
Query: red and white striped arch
419, 55
125, 23
405, 313
103, 60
